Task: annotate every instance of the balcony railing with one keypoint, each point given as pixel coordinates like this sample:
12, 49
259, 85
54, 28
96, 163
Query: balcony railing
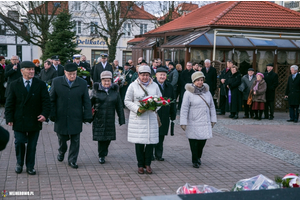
292, 4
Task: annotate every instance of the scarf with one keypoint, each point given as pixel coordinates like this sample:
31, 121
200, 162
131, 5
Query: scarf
101, 87
145, 84
198, 90
256, 86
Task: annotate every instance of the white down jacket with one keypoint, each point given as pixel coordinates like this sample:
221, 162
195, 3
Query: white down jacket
196, 115
141, 129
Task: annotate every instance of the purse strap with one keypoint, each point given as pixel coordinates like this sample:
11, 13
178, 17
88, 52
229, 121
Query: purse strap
146, 93
204, 100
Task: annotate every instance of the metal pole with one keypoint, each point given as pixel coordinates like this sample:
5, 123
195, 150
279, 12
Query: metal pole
215, 42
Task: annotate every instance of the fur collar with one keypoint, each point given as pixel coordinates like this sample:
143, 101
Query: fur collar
191, 89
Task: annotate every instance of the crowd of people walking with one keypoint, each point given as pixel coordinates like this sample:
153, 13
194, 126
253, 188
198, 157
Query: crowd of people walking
55, 92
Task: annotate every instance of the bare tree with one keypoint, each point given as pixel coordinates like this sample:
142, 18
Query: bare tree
36, 16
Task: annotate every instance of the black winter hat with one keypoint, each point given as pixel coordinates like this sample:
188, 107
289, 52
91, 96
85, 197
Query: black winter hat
71, 67
27, 64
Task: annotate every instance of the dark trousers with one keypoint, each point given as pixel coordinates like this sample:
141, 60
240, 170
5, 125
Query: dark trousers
182, 90
74, 146
222, 103
144, 153
248, 109
159, 147
196, 149
103, 148
294, 112
31, 139
269, 105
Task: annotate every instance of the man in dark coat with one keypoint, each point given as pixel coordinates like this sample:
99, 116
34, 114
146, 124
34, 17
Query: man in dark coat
27, 107
247, 82
234, 101
173, 76
186, 77
292, 92
153, 68
71, 106
271, 79
128, 75
107, 101
223, 95
100, 67
12, 72
84, 65
59, 68
165, 113
116, 66
48, 73
2, 80
210, 74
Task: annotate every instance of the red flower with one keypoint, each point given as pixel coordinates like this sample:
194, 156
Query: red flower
162, 98
163, 103
295, 185
168, 100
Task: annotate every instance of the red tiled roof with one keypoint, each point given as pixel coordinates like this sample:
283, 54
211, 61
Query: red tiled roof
41, 9
242, 13
175, 15
134, 40
136, 13
187, 6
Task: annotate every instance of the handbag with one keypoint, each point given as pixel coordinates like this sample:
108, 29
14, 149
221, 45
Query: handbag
249, 100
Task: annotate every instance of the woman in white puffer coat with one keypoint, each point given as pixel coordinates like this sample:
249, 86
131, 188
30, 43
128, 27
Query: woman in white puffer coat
197, 115
143, 129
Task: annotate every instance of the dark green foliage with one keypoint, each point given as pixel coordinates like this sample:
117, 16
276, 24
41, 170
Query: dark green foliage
62, 39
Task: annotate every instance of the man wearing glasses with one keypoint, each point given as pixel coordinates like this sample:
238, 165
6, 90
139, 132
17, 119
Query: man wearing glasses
12, 72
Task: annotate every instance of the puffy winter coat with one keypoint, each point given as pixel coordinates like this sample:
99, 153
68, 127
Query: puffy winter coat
196, 115
260, 95
141, 129
106, 104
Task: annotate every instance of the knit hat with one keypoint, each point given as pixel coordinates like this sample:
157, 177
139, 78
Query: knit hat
197, 75
260, 75
106, 74
144, 69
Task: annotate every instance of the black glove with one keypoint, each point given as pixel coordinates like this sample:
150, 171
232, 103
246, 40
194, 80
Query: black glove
52, 118
87, 120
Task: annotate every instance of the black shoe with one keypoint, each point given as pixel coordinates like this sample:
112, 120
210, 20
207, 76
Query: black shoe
196, 165
266, 117
160, 159
256, 117
60, 157
102, 160
31, 171
246, 117
271, 118
296, 121
199, 161
290, 120
73, 165
18, 169
231, 116
236, 117
221, 113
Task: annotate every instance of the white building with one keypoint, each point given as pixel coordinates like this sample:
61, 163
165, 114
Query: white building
85, 15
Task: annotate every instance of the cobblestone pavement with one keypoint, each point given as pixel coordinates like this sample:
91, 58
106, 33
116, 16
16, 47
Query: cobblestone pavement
239, 149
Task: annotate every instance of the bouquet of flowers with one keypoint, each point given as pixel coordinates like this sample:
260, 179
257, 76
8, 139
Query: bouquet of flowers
259, 182
119, 78
152, 102
81, 71
196, 189
288, 181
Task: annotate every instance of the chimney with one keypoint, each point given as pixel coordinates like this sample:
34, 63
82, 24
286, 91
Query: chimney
13, 14
142, 7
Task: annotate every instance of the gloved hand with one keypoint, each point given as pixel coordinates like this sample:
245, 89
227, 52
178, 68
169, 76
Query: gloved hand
87, 120
141, 110
52, 118
213, 124
183, 127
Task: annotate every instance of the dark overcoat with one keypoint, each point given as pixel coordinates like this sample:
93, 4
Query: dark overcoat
166, 113
98, 69
224, 75
128, 79
173, 78
211, 79
22, 107
106, 104
293, 90
60, 70
48, 76
70, 105
233, 81
271, 79
11, 75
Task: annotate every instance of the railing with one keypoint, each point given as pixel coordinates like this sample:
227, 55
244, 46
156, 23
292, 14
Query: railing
292, 4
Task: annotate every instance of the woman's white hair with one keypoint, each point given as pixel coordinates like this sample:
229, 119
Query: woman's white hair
295, 67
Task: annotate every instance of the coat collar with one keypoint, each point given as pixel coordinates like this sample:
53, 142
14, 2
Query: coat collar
189, 87
75, 84
34, 86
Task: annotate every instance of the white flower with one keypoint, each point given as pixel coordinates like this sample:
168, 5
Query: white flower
150, 100
155, 99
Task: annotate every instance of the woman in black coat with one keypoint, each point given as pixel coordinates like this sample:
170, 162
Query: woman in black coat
106, 100
234, 103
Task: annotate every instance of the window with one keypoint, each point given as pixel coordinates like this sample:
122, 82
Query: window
2, 29
94, 26
3, 50
19, 51
127, 29
127, 55
143, 28
77, 27
57, 4
76, 5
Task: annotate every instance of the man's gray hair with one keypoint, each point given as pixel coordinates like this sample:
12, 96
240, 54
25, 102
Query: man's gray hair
189, 63
295, 67
116, 60
14, 56
206, 60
